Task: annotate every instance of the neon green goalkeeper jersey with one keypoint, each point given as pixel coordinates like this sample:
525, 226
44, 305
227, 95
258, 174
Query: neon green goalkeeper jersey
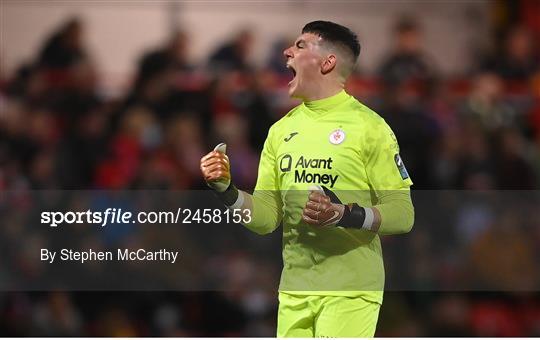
341, 144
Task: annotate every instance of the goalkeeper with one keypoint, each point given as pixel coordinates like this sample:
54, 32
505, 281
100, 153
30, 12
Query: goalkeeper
331, 174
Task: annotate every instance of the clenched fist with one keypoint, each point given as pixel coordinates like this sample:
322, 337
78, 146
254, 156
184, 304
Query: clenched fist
320, 210
216, 169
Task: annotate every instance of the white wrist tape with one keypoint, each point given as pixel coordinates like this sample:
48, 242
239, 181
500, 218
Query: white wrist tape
368, 221
239, 201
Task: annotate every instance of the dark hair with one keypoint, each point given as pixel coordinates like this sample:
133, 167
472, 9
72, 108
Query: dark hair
336, 34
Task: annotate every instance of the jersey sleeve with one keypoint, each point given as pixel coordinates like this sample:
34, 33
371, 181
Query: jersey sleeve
390, 181
266, 199
384, 167
267, 178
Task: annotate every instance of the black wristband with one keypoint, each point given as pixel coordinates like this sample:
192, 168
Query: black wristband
353, 216
229, 196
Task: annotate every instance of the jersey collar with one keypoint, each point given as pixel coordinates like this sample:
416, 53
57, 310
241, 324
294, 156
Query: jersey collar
317, 108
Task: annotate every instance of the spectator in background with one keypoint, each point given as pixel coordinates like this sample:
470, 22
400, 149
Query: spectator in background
184, 139
136, 134
165, 83
257, 111
82, 149
485, 106
234, 55
171, 57
64, 48
446, 158
407, 62
407, 76
416, 129
517, 59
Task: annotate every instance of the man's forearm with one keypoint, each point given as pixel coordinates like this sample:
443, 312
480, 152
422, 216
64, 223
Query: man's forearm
263, 209
394, 214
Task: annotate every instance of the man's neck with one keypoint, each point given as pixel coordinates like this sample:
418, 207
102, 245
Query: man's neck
324, 91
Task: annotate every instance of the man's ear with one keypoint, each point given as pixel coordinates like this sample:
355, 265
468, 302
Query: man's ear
328, 64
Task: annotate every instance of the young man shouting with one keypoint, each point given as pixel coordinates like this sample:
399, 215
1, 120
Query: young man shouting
331, 174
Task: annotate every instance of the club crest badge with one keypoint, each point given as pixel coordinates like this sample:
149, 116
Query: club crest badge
337, 136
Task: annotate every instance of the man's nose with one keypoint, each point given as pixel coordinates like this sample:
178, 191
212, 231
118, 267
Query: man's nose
287, 53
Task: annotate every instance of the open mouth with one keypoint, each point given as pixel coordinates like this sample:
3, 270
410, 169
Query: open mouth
291, 68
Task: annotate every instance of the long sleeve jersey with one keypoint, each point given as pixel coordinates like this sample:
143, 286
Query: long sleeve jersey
341, 144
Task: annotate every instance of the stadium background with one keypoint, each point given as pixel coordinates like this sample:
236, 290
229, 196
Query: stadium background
129, 95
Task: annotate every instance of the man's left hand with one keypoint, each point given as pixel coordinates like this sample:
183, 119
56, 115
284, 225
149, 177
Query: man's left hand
320, 211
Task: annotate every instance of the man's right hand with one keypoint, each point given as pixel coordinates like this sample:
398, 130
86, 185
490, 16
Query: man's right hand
216, 169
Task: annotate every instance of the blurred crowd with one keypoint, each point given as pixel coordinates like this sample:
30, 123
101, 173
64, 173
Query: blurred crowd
59, 129
475, 131
212, 314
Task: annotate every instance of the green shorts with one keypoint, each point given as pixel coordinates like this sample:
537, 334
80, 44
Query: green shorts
305, 316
